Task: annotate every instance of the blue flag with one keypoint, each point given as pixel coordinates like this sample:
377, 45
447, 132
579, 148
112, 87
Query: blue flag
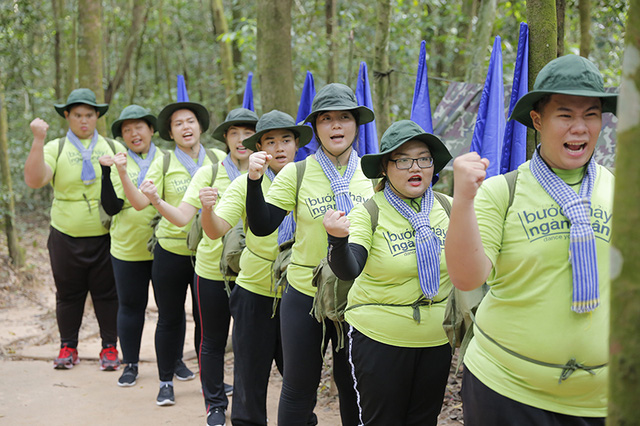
247, 100
490, 123
514, 149
304, 109
368, 137
182, 90
421, 107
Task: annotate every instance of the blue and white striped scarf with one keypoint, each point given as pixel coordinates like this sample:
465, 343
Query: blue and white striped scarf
582, 242
231, 168
288, 225
427, 244
187, 161
339, 184
88, 174
143, 163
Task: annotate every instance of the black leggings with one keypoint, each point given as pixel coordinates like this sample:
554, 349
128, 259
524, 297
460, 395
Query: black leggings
302, 337
81, 266
171, 275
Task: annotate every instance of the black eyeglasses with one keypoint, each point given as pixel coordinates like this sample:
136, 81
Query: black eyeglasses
407, 163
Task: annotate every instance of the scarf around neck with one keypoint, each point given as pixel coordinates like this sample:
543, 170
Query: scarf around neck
88, 174
231, 168
188, 162
143, 163
339, 184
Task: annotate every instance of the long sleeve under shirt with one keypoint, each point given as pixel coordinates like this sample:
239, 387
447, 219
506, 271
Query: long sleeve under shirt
110, 201
346, 259
264, 218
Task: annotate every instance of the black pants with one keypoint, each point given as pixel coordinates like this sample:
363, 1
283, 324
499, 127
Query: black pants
483, 406
302, 337
398, 385
256, 344
81, 266
213, 306
171, 275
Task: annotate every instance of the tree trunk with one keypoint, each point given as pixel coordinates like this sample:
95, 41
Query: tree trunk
57, 7
561, 6
226, 53
72, 56
137, 23
90, 51
274, 56
461, 63
381, 68
480, 42
584, 7
543, 45
16, 253
236, 14
331, 15
163, 53
624, 344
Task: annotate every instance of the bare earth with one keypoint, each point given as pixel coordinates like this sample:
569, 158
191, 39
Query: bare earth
32, 392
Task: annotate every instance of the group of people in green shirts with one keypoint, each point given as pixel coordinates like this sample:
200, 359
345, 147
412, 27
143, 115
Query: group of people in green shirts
539, 353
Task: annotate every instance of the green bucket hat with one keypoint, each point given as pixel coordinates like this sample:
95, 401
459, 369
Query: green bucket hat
278, 120
82, 96
236, 116
338, 97
398, 134
164, 126
133, 112
566, 75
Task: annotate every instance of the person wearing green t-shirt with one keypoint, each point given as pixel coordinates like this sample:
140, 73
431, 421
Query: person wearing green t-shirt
397, 346
332, 177
540, 348
256, 315
210, 290
78, 241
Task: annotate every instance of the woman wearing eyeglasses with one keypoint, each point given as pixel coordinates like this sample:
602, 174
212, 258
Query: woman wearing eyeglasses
398, 349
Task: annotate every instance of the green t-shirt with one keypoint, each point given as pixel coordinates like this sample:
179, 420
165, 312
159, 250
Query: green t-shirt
130, 228
256, 261
209, 251
74, 210
314, 199
394, 244
528, 308
172, 187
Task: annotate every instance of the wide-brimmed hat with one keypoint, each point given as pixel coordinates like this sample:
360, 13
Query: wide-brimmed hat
338, 97
398, 134
567, 75
82, 96
235, 117
133, 112
278, 120
164, 125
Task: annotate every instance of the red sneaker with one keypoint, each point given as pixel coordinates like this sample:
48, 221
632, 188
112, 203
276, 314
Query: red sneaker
67, 358
109, 359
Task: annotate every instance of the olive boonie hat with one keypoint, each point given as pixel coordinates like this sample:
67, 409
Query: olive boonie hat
278, 120
132, 112
396, 135
566, 75
164, 117
236, 116
82, 96
338, 97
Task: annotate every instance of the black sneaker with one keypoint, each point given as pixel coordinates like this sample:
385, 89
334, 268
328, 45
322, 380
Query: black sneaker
182, 372
165, 396
129, 375
216, 417
228, 389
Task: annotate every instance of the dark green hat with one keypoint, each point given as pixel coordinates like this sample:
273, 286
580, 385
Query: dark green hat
567, 75
338, 97
82, 96
278, 120
164, 126
398, 134
133, 112
235, 117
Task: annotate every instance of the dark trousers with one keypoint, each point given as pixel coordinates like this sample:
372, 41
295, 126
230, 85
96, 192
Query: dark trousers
256, 344
302, 337
213, 306
483, 406
398, 385
81, 266
132, 283
171, 275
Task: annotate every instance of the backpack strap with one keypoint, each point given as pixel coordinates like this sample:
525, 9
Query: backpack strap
300, 168
444, 202
112, 144
212, 155
214, 172
511, 178
374, 212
